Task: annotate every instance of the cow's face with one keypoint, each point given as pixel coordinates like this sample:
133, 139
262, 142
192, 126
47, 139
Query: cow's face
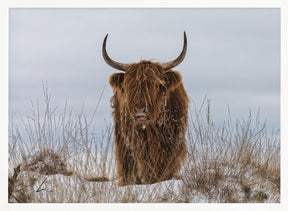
143, 89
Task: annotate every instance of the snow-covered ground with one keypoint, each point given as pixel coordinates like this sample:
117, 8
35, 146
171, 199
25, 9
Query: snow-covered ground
82, 185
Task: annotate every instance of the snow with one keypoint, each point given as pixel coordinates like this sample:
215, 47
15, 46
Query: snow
83, 186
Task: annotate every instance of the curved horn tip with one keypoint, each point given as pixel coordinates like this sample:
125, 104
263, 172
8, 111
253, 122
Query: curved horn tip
106, 37
109, 61
179, 59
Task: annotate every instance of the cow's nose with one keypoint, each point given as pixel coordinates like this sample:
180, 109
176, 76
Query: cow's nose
140, 110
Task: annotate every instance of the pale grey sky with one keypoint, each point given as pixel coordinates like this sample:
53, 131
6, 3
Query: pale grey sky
233, 56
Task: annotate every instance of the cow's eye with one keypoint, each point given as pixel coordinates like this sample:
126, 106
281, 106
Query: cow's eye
161, 87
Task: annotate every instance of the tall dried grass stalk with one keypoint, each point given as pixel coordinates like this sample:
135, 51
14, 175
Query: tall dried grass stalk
60, 159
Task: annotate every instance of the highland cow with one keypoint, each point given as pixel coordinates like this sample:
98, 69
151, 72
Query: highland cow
150, 109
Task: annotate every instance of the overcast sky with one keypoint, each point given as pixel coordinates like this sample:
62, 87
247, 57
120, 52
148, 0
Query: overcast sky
233, 56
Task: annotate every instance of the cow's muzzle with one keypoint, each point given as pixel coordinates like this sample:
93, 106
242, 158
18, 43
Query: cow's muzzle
141, 114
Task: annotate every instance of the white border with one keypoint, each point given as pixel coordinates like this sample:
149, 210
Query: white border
145, 3
6, 4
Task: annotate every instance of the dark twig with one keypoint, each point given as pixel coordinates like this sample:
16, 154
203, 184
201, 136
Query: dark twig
38, 189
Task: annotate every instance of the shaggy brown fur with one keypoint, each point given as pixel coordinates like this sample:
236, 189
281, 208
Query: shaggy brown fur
152, 150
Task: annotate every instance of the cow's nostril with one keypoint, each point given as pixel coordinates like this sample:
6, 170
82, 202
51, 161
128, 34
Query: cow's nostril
141, 110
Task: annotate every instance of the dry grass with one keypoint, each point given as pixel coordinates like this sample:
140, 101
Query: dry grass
55, 157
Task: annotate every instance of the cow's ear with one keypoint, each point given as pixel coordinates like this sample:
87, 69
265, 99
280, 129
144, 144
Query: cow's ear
172, 79
116, 80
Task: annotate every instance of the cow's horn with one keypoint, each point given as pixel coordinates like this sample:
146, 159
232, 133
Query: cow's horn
179, 59
108, 60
